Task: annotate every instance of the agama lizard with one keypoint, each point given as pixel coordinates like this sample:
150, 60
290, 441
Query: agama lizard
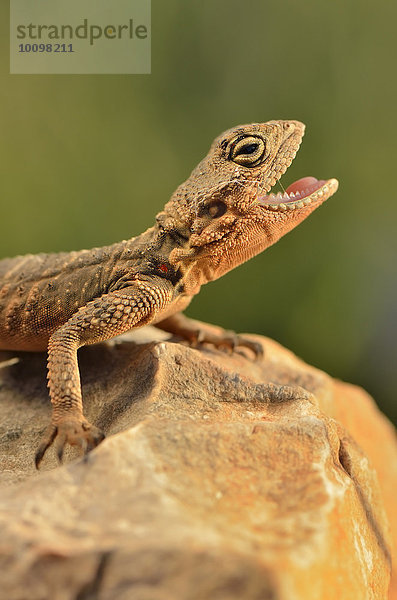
221, 216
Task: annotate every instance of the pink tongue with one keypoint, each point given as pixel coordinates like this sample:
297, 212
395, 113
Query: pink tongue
301, 184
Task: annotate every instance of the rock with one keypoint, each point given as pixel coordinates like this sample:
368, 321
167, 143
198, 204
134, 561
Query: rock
221, 478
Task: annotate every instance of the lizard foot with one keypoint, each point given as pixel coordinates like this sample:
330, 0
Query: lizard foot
196, 333
70, 430
228, 340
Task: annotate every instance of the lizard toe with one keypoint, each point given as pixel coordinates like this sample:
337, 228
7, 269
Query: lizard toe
255, 347
60, 446
48, 439
95, 437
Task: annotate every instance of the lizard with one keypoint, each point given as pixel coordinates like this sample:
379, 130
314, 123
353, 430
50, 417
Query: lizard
222, 215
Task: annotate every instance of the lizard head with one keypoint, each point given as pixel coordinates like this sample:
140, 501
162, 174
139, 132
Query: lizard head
226, 212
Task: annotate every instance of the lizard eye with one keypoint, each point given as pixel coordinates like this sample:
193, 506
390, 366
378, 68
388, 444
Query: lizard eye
248, 151
216, 209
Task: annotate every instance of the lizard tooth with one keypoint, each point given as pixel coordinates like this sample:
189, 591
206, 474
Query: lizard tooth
282, 206
307, 201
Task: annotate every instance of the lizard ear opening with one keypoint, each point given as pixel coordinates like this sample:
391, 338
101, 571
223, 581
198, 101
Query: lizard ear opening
247, 151
216, 209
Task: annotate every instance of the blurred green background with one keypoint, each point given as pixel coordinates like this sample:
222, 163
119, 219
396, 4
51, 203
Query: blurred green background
89, 160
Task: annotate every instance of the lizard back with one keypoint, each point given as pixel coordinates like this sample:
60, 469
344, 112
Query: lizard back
40, 292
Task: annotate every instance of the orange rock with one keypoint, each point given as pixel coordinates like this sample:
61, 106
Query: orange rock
226, 478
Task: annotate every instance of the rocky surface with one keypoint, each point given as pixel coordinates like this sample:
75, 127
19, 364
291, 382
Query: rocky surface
214, 483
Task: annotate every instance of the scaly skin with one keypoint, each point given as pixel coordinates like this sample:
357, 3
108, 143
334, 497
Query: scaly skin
219, 218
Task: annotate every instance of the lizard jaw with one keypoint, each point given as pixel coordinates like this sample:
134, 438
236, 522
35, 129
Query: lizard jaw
299, 194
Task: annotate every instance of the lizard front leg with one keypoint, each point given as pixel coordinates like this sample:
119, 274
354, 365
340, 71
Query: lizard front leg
197, 333
99, 320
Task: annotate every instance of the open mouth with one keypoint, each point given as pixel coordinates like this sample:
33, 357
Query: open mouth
299, 194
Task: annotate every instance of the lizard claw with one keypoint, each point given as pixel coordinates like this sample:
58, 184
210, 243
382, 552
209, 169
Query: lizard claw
72, 431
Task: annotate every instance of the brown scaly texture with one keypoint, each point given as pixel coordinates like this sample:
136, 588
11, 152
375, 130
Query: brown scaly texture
219, 218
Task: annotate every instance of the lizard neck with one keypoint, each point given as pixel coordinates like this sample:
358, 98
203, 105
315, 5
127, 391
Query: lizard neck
150, 254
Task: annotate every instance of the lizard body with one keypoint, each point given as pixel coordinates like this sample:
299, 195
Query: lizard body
221, 216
